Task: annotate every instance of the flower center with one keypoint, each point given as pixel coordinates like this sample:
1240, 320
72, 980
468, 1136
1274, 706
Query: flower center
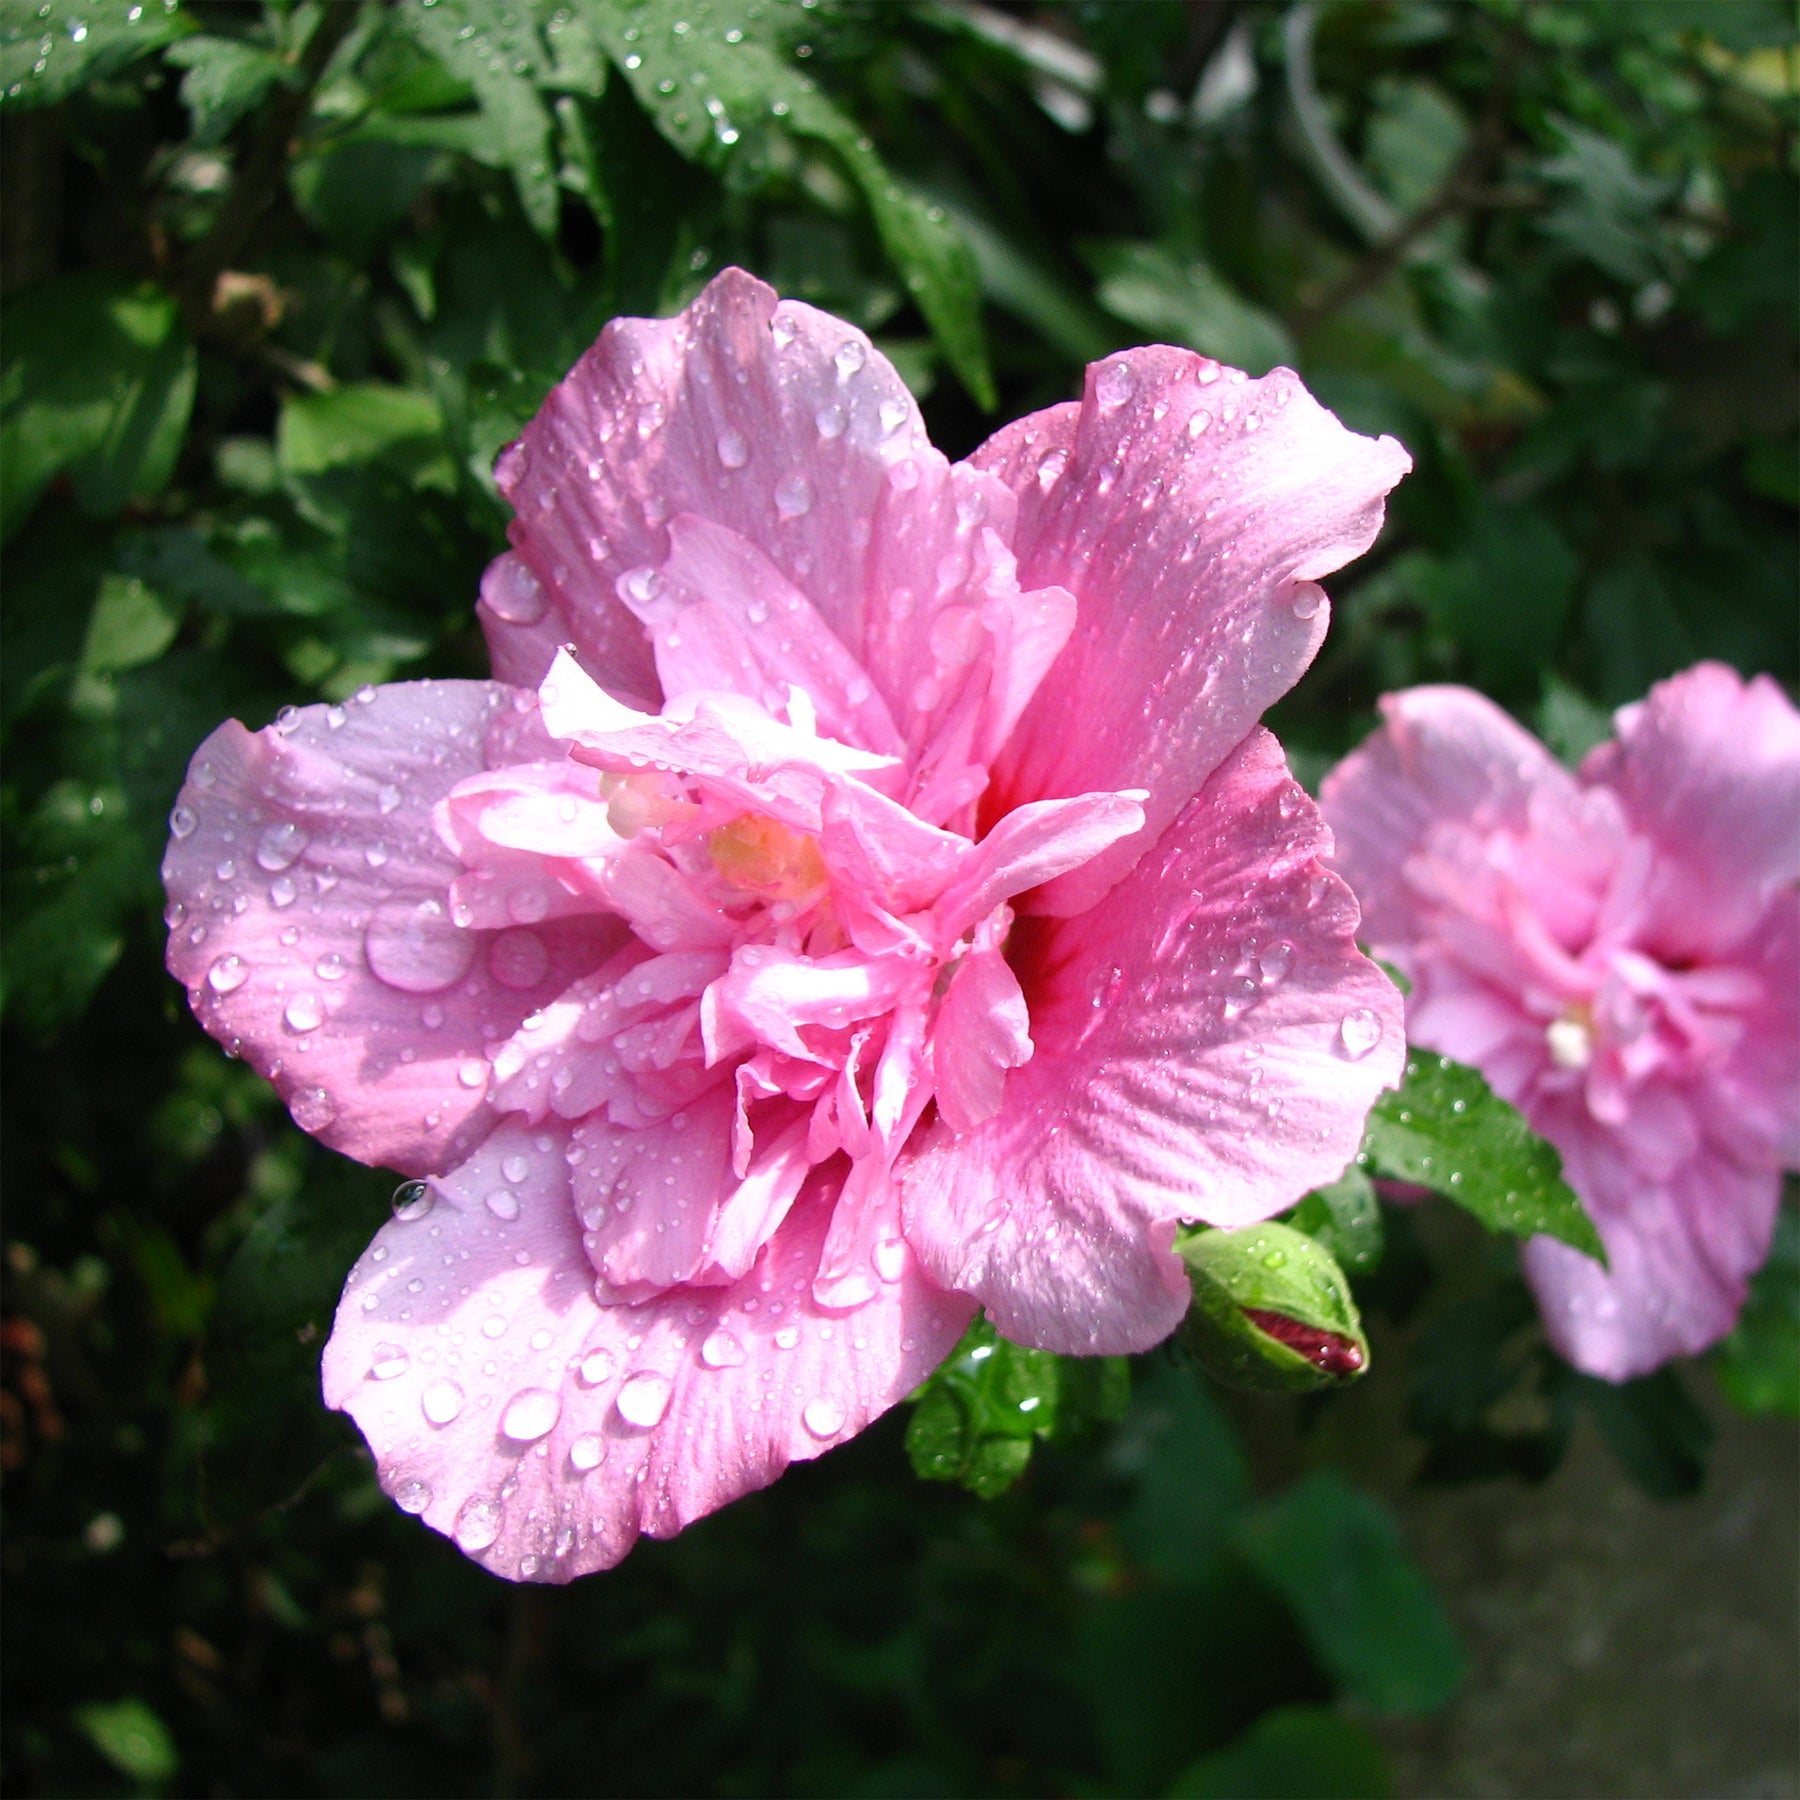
761, 856
1571, 1037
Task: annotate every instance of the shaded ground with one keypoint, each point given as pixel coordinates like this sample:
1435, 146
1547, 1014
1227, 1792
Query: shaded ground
1618, 1645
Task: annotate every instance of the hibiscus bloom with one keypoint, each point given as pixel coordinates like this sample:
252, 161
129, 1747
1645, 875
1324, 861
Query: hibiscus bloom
863, 893
1618, 951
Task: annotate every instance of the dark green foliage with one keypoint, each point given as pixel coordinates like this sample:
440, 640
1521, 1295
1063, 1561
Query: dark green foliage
281, 280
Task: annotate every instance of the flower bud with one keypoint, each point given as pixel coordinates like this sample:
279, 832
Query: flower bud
1271, 1310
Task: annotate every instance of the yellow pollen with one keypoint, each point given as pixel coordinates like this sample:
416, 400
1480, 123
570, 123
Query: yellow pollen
762, 856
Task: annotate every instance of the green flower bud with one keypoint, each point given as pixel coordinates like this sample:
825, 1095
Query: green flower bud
1271, 1310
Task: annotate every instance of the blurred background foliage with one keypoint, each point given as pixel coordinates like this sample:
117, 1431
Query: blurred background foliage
281, 279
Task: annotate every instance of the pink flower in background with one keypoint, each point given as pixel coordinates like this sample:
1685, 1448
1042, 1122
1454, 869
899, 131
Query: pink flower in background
863, 893
1618, 951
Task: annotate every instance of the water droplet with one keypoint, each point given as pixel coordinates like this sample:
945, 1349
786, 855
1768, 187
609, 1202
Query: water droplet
182, 822
389, 1360
412, 1200
518, 960
530, 1414
227, 974
1276, 1259
477, 1523
304, 1012
510, 591
793, 496
721, 1350
331, 967
412, 1496
1307, 601
786, 1338
596, 1367
287, 719
1359, 1032
733, 451
413, 944
1276, 962
312, 1109
387, 797
889, 1258
830, 421
823, 1418
282, 892
472, 1072
643, 1399
503, 1203
1050, 467
441, 1402
1115, 385
588, 1451
849, 359
494, 1325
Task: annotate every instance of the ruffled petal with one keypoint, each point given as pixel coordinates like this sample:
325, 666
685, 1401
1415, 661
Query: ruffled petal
767, 417
1189, 512
1208, 1045
316, 936
1680, 1255
542, 1432
1444, 756
1709, 768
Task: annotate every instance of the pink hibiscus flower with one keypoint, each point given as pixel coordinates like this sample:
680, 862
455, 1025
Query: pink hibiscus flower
1618, 951
863, 893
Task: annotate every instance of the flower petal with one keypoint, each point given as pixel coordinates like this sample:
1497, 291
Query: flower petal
1189, 512
1208, 1045
1679, 1257
316, 936
542, 1432
767, 417
1443, 756
1709, 767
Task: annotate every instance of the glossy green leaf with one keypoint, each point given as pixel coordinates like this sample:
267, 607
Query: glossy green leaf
1445, 1128
975, 1420
1335, 1555
719, 89
1758, 1365
225, 79
48, 52
99, 381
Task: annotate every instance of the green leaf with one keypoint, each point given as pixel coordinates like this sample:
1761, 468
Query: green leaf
1335, 1555
1607, 210
718, 89
47, 53
1759, 1364
975, 1419
131, 624
1184, 302
1569, 722
1344, 1220
225, 79
494, 46
1446, 1129
131, 1737
1292, 1753
99, 380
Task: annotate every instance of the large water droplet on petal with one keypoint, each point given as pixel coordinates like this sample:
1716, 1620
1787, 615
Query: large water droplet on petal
412, 1496
512, 592
823, 1418
793, 496
644, 1399
280, 846
412, 1200
312, 1108
1359, 1031
477, 1523
1116, 385
388, 1361
441, 1402
413, 944
721, 1350
530, 1414
596, 1367
850, 357
1276, 962
517, 959
733, 451
588, 1451
227, 974
182, 822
